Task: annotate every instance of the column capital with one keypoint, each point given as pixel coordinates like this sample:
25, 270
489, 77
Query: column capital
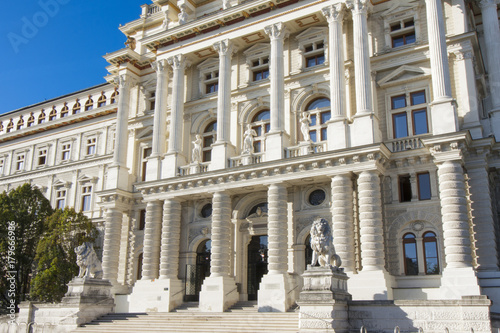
124, 81
160, 66
358, 6
334, 13
178, 61
225, 47
277, 31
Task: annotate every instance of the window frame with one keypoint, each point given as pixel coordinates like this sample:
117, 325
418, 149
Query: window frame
20, 161
65, 148
53, 114
402, 16
407, 241
42, 152
42, 117
409, 109
65, 110
312, 37
319, 127
206, 149
86, 194
420, 228
145, 153
263, 126
434, 240
91, 141
209, 77
419, 187
60, 197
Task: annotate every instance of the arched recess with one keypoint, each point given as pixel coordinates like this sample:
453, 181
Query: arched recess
306, 95
250, 110
201, 121
246, 203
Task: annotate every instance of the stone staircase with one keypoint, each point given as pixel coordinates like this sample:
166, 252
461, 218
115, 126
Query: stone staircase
243, 317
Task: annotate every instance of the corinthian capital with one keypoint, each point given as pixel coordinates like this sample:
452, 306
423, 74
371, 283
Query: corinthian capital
178, 61
160, 66
124, 81
334, 13
358, 6
224, 47
276, 31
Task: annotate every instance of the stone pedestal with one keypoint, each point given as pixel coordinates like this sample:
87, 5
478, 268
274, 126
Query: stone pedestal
161, 295
218, 294
221, 152
171, 164
338, 134
458, 282
323, 300
365, 130
247, 159
194, 168
305, 147
273, 294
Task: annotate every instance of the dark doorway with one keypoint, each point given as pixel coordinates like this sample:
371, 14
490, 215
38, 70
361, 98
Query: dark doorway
257, 264
308, 252
196, 274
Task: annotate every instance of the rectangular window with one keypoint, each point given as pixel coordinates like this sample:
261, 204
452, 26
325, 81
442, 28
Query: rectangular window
91, 146
42, 157
20, 162
409, 116
145, 154
1, 167
419, 118
86, 197
314, 54
60, 199
211, 81
142, 219
403, 33
65, 152
424, 186
400, 125
404, 188
260, 68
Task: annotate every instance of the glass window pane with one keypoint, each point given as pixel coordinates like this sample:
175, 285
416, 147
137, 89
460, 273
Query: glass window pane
311, 62
257, 146
207, 141
398, 102
257, 76
410, 39
312, 135
265, 73
409, 24
325, 116
320, 59
420, 122
268, 127
207, 155
262, 115
324, 134
417, 97
400, 125
258, 130
398, 41
319, 103
313, 120
424, 186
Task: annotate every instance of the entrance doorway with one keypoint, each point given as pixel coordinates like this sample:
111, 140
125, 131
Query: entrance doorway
257, 264
196, 274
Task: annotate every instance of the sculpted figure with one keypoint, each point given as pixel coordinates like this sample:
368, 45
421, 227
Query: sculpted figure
86, 259
305, 121
183, 16
196, 154
248, 140
226, 4
322, 244
130, 43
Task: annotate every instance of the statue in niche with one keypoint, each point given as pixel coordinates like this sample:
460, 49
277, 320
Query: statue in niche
130, 42
322, 244
87, 261
183, 16
196, 154
248, 140
305, 122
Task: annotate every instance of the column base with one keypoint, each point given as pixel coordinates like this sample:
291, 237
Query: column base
365, 130
273, 294
338, 134
218, 294
275, 145
495, 123
153, 169
490, 286
161, 295
171, 163
323, 301
444, 116
221, 152
117, 177
458, 282
371, 285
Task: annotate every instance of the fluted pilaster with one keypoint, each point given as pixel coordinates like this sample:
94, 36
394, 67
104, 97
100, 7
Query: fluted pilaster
152, 233
170, 239
343, 220
159, 122
370, 220
456, 235
111, 246
221, 235
125, 82
277, 229
178, 63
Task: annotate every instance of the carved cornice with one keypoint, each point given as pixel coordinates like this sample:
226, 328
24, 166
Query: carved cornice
119, 199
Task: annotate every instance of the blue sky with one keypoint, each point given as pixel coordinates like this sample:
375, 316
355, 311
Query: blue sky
49, 48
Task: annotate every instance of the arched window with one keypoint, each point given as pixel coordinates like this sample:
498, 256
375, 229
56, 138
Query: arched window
89, 104
76, 107
410, 254
101, 101
64, 110
41, 117
430, 253
114, 96
31, 120
53, 114
319, 111
261, 124
20, 123
259, 209
10, 126
209, 138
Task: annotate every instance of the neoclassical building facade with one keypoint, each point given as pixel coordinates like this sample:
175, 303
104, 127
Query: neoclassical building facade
226, 127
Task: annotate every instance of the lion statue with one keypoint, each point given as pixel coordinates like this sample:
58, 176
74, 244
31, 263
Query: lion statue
322, 244
86, 259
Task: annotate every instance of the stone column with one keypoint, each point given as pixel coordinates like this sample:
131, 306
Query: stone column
458, 278
492, 43
459, 11
337, 127
219, 290
170, 239
276, 139
443, 113
365, 125
174, 157
159, 122
274, 287
343, 220
223, 149
111, 246
373, 281
118, 172
152, 234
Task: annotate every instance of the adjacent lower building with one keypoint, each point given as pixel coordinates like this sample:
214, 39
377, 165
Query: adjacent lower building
226, 127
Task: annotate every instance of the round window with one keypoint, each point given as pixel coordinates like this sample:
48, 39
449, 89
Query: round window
206, 211
317, 197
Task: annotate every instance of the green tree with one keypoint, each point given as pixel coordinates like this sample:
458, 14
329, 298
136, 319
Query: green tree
22, 221
55, 255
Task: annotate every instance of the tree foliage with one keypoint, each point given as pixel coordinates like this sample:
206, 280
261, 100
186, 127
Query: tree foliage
25, 210
55, 255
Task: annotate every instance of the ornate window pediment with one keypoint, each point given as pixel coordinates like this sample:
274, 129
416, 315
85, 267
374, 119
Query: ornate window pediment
404, 74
